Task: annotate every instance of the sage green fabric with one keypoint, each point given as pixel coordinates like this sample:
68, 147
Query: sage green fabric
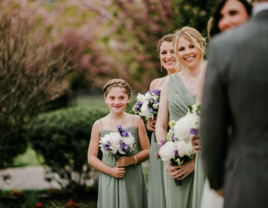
128, 192
156, 188
178, 101
199, 181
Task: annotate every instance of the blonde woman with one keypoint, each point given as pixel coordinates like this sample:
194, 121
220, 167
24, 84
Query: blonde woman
156, 189
178, 92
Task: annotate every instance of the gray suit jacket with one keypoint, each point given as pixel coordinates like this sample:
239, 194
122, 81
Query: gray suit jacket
236, 95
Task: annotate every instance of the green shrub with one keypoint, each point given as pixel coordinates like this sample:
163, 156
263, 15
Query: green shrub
62, 138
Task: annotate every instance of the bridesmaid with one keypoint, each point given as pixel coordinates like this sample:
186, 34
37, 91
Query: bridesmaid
121, 183
156, 192
178, 92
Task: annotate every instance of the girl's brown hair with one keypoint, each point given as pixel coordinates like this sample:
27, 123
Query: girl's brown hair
167, 38
117, 83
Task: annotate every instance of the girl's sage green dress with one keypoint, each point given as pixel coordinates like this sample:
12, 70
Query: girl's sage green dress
156, 188
178, 100
127, 192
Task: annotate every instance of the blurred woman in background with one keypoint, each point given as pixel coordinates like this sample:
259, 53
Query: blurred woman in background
156, 189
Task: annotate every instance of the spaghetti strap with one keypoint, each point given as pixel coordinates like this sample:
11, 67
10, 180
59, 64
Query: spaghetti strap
132, 120
101, 125
162, 82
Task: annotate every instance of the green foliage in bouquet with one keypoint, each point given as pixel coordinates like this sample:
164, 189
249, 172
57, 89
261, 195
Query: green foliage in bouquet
62, 138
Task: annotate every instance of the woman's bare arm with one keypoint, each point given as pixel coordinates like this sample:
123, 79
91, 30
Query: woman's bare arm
162, 118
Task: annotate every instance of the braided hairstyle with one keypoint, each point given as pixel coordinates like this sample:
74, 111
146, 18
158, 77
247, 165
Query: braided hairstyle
117, 83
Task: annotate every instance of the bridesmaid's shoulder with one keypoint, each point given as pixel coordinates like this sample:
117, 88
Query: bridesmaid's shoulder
97, 126
137, 121
154, 84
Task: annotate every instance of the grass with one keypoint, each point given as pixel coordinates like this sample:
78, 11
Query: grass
29, 158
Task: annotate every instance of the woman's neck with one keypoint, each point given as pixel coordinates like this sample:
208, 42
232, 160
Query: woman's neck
192, 73
170, 71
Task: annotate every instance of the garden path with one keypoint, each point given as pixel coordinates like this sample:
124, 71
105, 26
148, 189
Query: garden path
26, 178
30, 178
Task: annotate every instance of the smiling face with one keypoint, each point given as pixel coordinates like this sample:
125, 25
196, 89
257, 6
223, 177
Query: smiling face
188, 54
117, 99
232, 14
167, 56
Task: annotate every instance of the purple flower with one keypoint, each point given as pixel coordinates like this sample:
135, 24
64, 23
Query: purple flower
150, 100
155, 101
150, 110
156, 92
124, 133
194, 132
176, 154
126, 147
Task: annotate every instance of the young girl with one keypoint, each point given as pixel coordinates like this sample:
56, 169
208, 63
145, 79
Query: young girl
121, 182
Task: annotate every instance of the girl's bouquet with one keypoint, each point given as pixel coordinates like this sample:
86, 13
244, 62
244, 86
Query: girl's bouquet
177, 146
147, 105
117, 143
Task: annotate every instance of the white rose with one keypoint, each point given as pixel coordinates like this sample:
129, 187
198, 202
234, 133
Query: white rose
155, 106
129, 140
184, 149
155, 97
105, 139
184, 125
147, 96
190, 149
115, 138
167, 151
144, 110
141, 98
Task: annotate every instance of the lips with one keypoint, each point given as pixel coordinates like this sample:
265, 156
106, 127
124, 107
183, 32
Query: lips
117, 106
190, 58
169, 62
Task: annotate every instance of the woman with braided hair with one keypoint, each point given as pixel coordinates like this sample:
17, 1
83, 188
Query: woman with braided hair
121, 182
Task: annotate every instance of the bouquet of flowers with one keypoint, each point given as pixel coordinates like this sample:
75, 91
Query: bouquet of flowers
117, 143
147, 105
188, 126
177, 146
